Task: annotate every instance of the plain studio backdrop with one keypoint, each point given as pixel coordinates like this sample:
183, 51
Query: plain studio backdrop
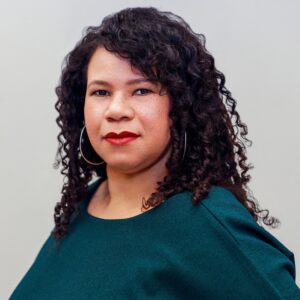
256, 44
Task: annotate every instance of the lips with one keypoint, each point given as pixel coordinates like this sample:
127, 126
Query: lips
121, 134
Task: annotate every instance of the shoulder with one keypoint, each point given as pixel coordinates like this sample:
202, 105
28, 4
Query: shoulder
222, 203
253, 246
225, 209
222, 240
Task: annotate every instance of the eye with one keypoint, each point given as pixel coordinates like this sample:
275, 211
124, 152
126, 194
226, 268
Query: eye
147, 91
101, 93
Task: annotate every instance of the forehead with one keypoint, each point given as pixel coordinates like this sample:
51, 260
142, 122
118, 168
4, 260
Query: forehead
104, 61
105, 68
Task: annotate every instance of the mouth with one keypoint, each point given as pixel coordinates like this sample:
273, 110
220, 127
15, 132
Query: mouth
122, 134
121, 140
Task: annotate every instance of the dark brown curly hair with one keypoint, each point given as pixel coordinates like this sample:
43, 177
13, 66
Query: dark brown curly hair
164, 48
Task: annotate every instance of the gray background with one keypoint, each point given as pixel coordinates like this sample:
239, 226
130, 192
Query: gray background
256, 44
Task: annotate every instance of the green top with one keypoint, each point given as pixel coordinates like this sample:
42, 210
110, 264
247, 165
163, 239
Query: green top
177, 250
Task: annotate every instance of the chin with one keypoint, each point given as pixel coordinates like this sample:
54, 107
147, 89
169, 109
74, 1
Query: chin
123, 167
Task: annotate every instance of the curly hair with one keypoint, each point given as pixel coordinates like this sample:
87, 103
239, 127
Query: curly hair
164, 48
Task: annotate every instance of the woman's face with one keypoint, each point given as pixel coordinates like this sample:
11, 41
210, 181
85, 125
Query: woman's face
116, 105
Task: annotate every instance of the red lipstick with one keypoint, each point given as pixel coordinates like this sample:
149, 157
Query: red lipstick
122, 138
121, 134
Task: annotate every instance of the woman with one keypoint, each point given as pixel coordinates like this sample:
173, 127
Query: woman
141, 107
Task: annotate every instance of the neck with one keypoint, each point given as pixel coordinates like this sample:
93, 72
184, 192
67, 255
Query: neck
124, 192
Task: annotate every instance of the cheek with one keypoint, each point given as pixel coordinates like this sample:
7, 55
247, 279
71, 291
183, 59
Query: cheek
156, 119
92, 119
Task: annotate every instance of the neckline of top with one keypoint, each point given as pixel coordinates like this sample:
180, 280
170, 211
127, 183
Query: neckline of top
92, 189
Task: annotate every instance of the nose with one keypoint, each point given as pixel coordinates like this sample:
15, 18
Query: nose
118, 108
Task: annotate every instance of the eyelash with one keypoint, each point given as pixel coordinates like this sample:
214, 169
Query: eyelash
94, 93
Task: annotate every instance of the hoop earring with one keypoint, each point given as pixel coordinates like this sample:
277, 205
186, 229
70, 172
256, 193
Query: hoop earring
88, 161
185, 142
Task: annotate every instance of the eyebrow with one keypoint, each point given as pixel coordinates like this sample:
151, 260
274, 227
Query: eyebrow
129, 82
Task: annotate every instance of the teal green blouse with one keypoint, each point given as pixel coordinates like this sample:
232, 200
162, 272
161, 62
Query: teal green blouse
177, 250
